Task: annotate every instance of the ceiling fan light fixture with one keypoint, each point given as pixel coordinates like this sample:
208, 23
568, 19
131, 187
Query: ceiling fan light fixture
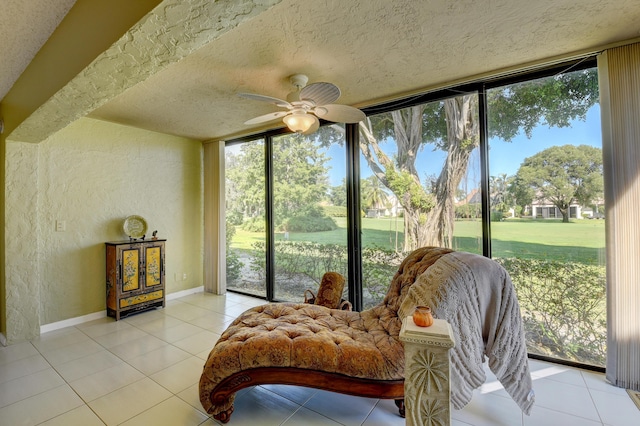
299, 122
305, 105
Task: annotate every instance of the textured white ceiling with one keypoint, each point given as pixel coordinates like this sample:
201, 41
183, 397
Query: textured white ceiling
372, 49
25, 25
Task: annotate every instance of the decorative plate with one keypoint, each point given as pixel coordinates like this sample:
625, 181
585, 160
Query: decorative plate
135, 226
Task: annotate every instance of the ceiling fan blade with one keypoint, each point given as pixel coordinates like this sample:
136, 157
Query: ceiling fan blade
320, 93
340, 113
279, 102
267, 117
314, 127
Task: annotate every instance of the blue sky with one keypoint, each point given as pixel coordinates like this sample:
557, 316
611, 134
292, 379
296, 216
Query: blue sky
507, 157
504, 157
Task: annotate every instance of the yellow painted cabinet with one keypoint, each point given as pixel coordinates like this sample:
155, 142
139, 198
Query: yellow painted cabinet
135, 276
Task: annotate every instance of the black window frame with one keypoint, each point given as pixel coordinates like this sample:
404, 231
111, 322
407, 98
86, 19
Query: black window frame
354, 248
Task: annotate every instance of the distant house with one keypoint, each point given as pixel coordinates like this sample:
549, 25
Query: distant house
589, 213
541, 209
546, 210
473, 197
594, 213
393, 208
472, 201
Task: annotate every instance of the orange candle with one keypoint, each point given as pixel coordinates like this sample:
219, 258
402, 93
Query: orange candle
422, 316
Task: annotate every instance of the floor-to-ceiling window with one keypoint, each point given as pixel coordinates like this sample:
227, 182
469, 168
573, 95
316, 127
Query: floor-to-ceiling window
309, 210
488, 168
547, 204
245, 217
419, 185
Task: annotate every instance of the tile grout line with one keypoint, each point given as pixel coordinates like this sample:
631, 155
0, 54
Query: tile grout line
145, 376
87, 403
159, 384
371, 411
66, 383
593, 401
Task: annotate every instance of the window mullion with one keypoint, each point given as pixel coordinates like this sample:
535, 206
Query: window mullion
269, 228
484, 172
354, 241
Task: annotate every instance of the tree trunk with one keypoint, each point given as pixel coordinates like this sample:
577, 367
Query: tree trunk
438, 230
432, 225
462, 139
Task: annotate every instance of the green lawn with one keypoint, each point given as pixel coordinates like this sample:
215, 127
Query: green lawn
579, 241
548, 292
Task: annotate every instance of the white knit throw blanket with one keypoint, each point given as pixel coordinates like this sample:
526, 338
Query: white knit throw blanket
476, 296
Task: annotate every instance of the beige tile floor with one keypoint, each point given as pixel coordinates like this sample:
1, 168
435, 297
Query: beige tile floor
144, 370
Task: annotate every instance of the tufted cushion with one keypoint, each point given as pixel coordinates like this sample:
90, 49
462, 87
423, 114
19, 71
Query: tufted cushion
306, 336
358, 344
330, 291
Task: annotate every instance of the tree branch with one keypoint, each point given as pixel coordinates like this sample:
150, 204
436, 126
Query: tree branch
365, 147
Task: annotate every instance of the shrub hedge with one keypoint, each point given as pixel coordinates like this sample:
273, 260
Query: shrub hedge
563, 304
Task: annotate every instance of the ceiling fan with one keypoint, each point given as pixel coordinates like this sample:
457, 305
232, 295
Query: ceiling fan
305, 105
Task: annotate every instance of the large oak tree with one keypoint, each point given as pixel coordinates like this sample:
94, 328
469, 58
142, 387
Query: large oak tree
562, 175
452, 125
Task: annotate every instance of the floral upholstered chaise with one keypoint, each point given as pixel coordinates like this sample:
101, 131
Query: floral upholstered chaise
359, 353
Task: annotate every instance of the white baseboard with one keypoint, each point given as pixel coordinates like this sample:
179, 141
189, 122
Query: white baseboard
97, 315
72, 321
179, 294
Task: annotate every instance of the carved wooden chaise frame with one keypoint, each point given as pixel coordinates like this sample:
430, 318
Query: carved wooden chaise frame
369, 388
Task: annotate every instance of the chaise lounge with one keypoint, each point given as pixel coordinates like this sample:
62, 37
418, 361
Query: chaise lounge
359, 353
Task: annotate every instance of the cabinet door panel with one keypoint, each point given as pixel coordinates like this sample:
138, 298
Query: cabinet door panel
130, 270
154, 259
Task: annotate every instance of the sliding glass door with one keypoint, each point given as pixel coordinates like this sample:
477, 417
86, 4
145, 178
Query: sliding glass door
245, 204
547, 204
309, 211
419, 185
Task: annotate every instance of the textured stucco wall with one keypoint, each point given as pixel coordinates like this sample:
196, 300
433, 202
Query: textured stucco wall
91, 175
22, 290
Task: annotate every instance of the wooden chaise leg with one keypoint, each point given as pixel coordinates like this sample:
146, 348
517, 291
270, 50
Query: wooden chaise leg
400, 405
224, 416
